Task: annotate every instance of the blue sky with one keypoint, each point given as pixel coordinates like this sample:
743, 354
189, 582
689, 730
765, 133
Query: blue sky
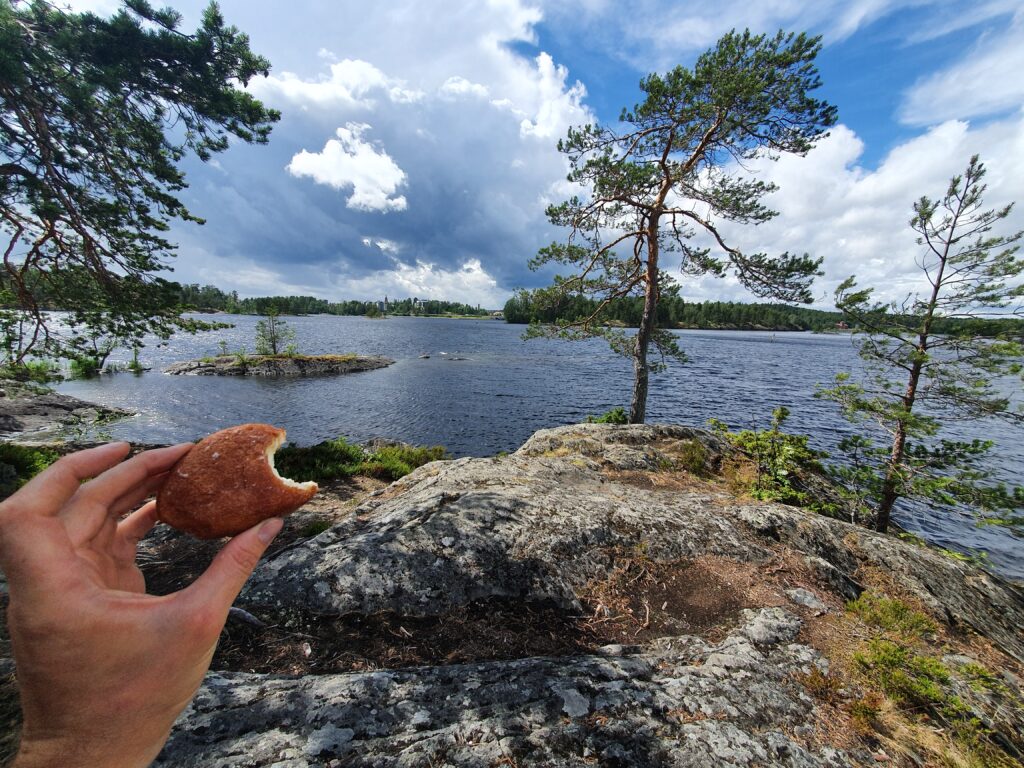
416, 153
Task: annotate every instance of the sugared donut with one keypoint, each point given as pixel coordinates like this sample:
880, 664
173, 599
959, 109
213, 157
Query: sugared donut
227, 483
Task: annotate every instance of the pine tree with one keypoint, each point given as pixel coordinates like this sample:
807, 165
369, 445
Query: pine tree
95, 115
919, 380
665, 177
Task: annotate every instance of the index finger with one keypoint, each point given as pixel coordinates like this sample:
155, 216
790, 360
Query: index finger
129, 475
48, 491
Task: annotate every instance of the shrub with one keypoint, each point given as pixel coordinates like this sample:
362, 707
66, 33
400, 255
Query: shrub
913, 681
614, 416
892, 615
395, 461
135, 366
330, 460
336, 459
693, 457
84, 367
778, 460
20, 463
39, 371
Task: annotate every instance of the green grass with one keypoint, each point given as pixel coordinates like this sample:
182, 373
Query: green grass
338, 459
900, 662
917, 684
393, 462
20, 463
892, 615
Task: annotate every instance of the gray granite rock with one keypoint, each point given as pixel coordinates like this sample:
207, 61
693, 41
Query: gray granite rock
685, 703
535, 525
33, 413
539, 528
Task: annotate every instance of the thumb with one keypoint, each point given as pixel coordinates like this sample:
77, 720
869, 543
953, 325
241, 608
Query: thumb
220, 584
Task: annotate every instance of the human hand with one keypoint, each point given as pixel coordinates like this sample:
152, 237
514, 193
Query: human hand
105, 669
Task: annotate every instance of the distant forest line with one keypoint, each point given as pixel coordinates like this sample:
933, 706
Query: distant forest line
675, 312
209, 298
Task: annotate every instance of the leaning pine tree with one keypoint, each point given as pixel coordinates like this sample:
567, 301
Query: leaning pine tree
918, 381
96, 115
668, 174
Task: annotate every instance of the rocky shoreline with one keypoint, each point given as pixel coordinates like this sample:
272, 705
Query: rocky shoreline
278, 365
32, 413
596, 599
600, 597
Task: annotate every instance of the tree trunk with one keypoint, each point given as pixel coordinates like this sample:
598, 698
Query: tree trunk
641, 370
892, 479
890, 485
641, 377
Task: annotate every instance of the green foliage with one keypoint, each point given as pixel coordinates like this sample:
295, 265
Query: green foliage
912, 680
745, 98
273, 336
614, 416
209, 298
900, 660
95, 116
39, 371
315, 528
338, 459
919, 685
330, 460
692, 456
779, 461
892, 615
20, 463
85, 367
395, 461
674, 312
982, 679
135, 366
917, 379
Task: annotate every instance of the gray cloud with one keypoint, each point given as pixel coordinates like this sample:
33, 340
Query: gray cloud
471, 126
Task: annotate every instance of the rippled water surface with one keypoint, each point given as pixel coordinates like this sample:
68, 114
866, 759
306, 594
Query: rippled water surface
502, 389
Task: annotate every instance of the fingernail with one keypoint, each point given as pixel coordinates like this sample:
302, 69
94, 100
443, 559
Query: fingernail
269, 529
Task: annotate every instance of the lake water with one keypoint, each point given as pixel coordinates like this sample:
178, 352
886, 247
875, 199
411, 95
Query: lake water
503, 389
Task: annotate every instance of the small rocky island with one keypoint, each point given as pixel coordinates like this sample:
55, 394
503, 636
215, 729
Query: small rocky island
278, 365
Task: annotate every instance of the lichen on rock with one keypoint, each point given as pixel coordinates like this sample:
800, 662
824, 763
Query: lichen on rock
698, 619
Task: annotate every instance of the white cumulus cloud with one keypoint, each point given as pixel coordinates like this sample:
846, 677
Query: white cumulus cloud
349, 161
457, 86
350, 83
469, 283
558, 106
856, 218
985, 81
